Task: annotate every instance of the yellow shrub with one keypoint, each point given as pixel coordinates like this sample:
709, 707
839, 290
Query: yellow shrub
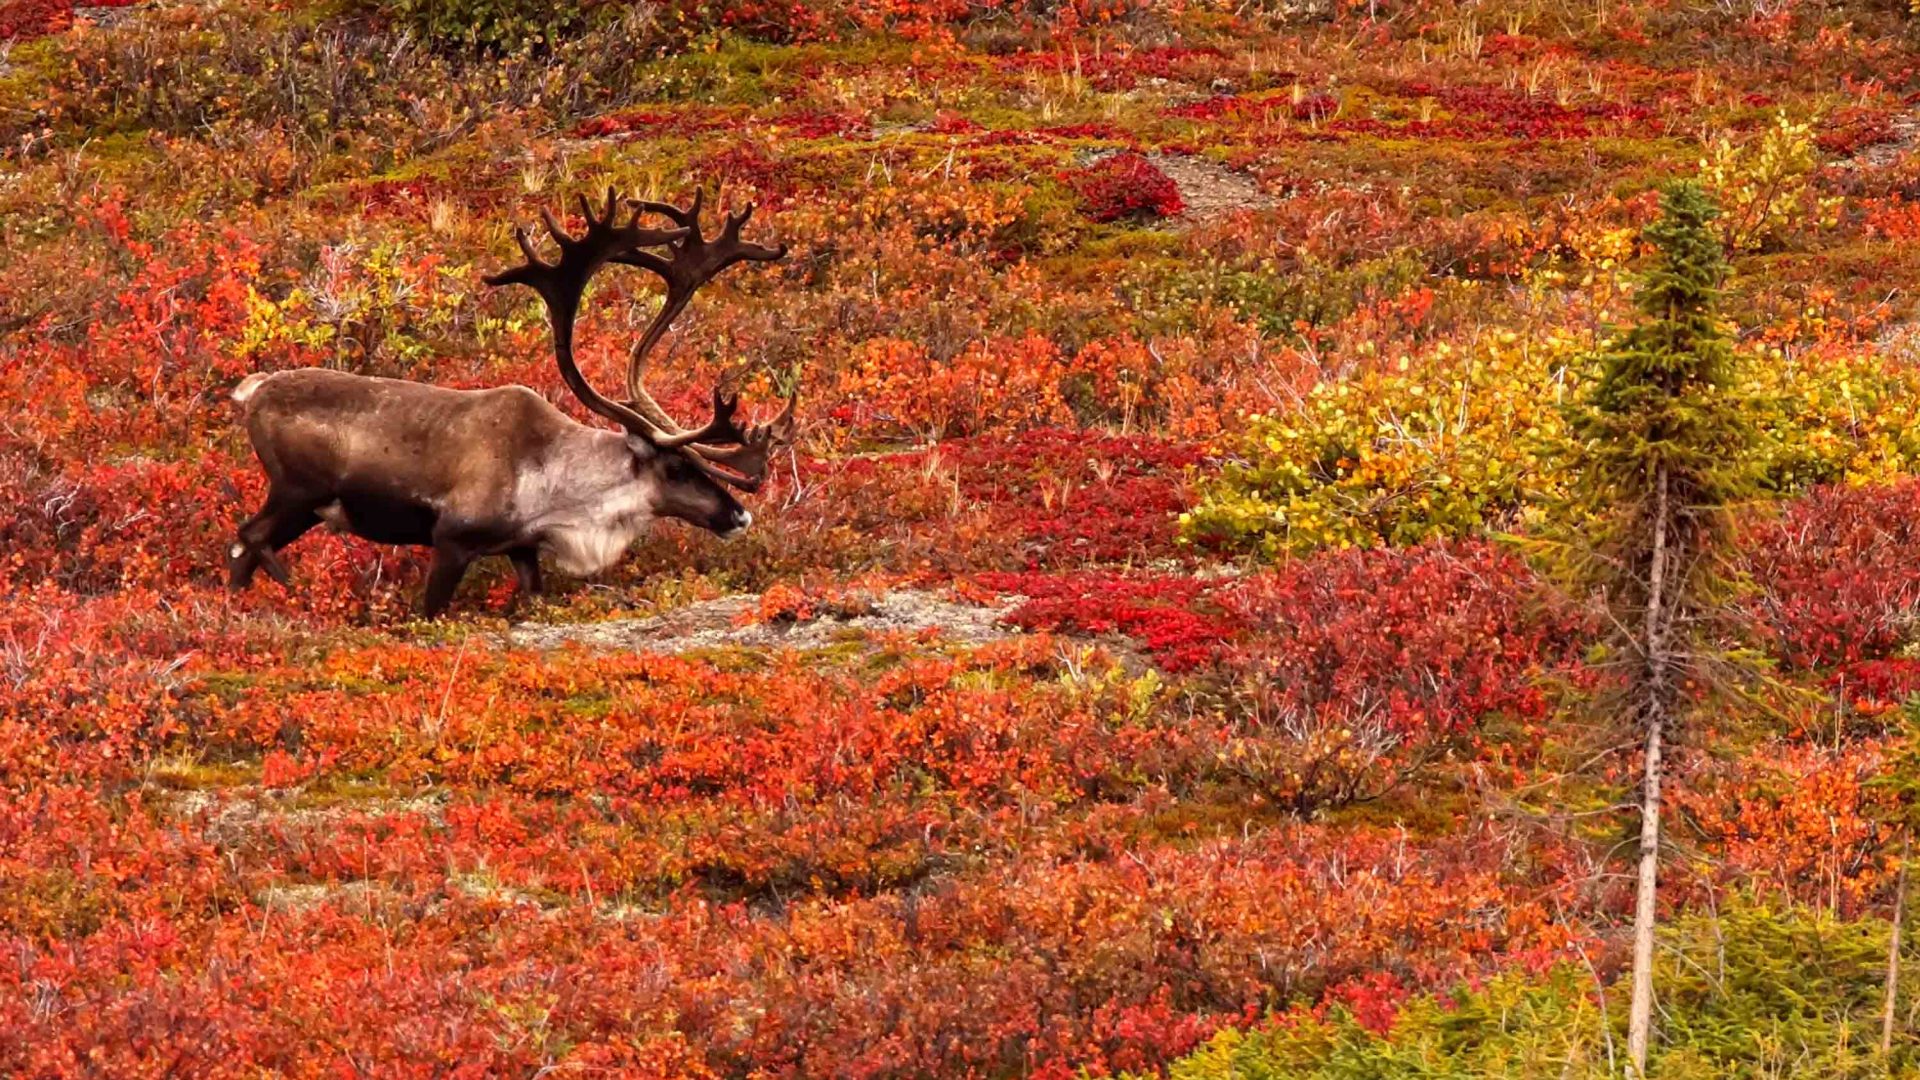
1765, 187
1473, 439
1396, 456
1835, 416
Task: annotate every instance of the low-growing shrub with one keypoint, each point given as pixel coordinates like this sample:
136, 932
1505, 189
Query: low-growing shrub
222, 72
31, 18
1358, 669
1343, 674
490, 24
1472, 440
1396, 457
1834, 415
1766, 185
1804, 820
1752, 993
1125, 187
1836, 580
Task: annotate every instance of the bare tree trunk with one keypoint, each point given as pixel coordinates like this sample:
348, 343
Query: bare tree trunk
1893, 948
1640, 1012
1656, 695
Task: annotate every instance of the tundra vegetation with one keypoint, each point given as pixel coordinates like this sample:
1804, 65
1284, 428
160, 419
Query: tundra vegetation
1184, 637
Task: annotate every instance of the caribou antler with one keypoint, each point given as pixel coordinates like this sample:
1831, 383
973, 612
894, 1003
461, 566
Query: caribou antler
691, 262
743, 464
562, 283
724, 449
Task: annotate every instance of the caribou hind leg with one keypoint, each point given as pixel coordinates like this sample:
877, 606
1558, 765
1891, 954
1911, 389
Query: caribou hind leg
279, 523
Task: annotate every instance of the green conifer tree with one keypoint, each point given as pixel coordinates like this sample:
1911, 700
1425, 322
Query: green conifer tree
1663, 451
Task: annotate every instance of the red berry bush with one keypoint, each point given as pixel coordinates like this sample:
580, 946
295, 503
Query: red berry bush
1125, 187
1837, 576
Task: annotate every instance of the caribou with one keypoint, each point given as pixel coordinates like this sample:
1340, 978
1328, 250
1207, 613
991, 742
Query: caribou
502, 471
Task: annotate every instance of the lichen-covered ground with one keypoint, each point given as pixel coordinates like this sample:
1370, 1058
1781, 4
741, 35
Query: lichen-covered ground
962, 761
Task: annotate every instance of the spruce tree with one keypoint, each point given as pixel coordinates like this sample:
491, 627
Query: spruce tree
1662, 453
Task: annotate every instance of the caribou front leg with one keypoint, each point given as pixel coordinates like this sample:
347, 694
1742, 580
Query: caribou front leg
526, 571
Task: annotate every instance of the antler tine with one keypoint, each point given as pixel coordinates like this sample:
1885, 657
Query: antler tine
760, 437
720, 429
730, 234
518, 273
690, 263
554, 230
561, 285
689, 217
745, 464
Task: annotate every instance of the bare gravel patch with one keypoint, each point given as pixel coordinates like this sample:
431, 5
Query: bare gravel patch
719, 624
236, 815
1209, 189
1906, 137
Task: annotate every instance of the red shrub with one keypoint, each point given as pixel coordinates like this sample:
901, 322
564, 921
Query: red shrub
1852, 129
1316, 106
948, 122
1349, 669
1838, 580
1172, 615
1211, 108
683, 121
1872, 687
1361, 667
1801, 821
32, 18
1049, 497
819, 123
1425, 640
1125, 185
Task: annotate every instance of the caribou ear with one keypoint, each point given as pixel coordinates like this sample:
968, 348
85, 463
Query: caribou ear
641, 446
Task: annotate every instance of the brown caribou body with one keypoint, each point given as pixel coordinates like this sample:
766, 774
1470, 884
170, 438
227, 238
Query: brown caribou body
473, 473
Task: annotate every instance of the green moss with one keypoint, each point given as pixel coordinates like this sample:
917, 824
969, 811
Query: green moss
32, 70
1212, 812
1093, 260
228, 687
56, 904
732, 71
1424, 810
880, 661
198, 774
333, 790
589, 704
850, 644
442, 632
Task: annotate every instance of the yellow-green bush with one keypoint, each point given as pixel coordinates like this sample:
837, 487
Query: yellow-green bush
1765, 186
1396, 456
490, 24
1754, 993
1835, 417
1470, 439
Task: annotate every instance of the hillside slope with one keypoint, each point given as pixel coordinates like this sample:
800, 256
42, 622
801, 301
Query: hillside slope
1056, 713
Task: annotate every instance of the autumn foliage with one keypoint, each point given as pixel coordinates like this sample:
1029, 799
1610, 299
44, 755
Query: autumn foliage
1135, 650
